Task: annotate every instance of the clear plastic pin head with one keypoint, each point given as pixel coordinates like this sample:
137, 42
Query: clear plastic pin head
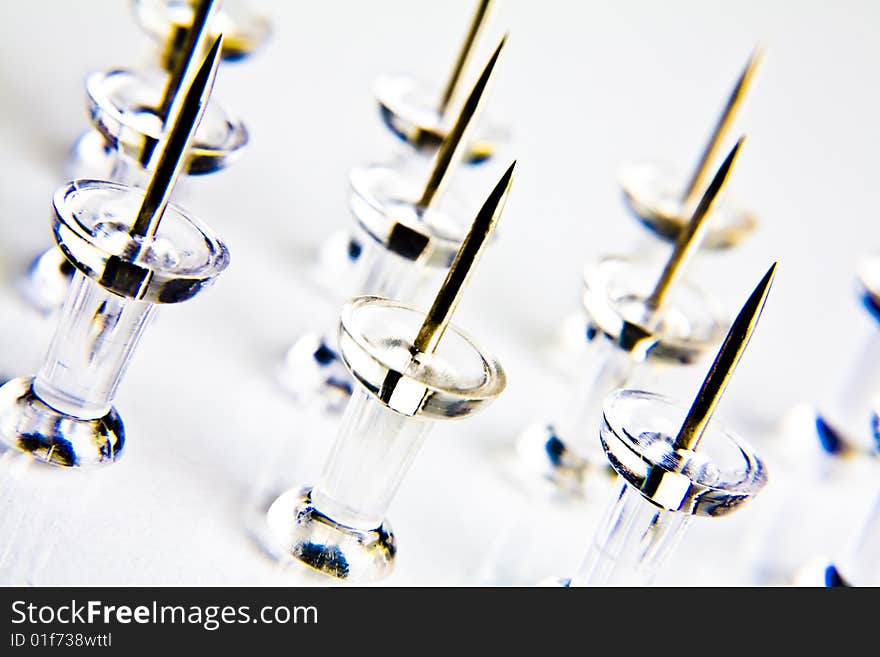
409, 109
656, 196
381, 197
124, 106
245, 28
420, 114
661, 487
64, 415
338, 526
396, 249
435, 135
127, 127
623, 334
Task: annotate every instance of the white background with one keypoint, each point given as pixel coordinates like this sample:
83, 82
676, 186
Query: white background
586, 87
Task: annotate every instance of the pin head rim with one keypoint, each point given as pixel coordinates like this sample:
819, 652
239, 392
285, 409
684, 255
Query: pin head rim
245, 30
381, 204
90, 223
652, 193
376, 343
120, 103
408, 109
615, 288
729, 472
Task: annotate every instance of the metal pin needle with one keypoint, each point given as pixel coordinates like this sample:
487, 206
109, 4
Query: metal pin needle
691, 236
194, 42
464, 54
734, 102
451, 148
173, 150
694, 425
446, 301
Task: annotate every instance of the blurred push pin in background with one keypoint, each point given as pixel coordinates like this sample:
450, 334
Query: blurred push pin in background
130, 112
410, 230
661, 200
245, 29
421, 117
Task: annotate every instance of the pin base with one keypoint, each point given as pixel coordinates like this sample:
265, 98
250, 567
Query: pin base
544, 452
29, 425
308, 536
48, 277
313, 372
253, 518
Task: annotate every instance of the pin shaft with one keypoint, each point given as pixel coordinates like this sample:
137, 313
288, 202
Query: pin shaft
447, 299
451, 149
690, 237
173, 150
734, 102
467, 48
716, 381
193, 43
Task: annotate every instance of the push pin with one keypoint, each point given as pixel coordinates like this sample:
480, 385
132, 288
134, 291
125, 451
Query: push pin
669, 474
633, 317
851, 426
412, 369
421, 117
659, 199
130, 250
129, 111
780, 548
244, 28
409, 230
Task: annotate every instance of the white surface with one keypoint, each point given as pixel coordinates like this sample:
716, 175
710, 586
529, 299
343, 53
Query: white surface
586, 87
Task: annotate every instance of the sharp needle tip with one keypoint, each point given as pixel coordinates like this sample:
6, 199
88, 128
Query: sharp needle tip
446, 301
729, 355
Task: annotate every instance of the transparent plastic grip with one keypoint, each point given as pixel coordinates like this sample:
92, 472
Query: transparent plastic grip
610, 368
632, 542
383, 274
93, 344
373, 451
